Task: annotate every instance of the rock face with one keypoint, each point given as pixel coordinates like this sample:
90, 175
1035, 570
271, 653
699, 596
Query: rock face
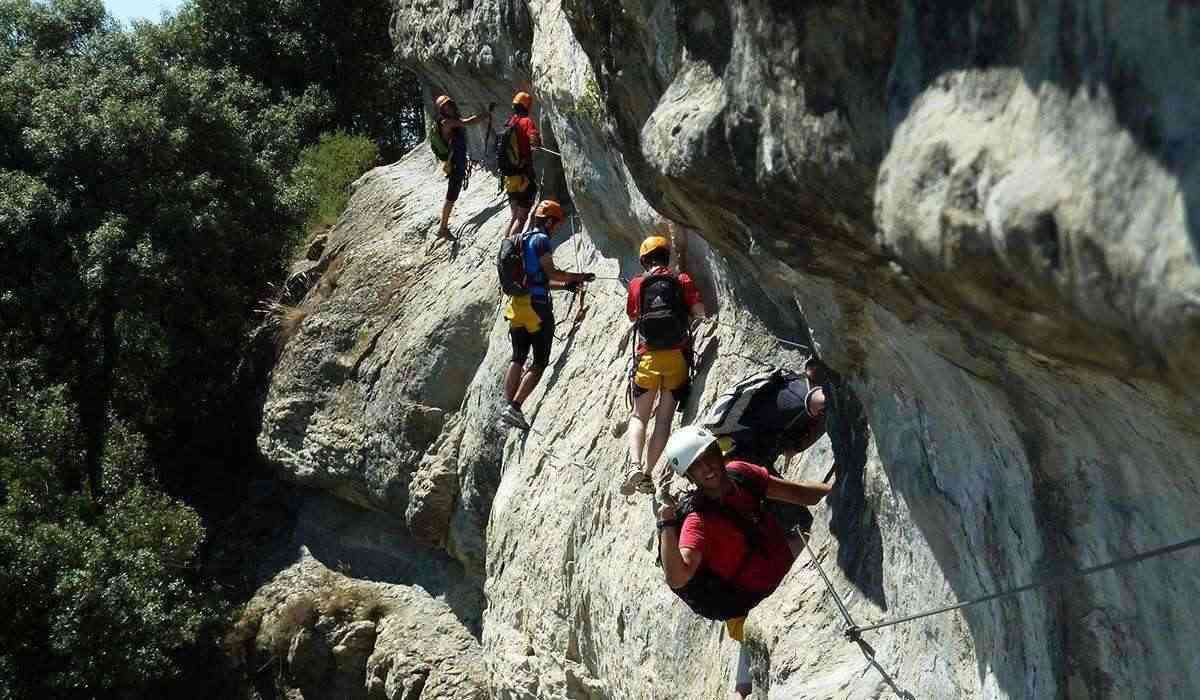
982, 214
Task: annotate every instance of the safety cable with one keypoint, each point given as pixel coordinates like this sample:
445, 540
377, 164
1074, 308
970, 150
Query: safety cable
829, 584
550, 453
749, 329
853, 631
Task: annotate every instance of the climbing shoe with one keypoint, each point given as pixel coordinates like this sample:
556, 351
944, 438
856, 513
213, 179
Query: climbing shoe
636, 481
513, 416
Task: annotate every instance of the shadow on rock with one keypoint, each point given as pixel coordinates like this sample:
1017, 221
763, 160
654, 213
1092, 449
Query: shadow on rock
852, 522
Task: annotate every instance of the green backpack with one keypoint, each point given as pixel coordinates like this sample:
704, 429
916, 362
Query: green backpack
437, 142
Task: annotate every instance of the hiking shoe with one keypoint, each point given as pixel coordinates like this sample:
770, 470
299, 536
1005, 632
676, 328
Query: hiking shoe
635, 481
513, 416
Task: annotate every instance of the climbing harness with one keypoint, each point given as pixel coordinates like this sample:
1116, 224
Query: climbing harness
854, 632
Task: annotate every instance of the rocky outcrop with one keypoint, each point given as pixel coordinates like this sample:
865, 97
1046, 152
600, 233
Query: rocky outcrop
981, 214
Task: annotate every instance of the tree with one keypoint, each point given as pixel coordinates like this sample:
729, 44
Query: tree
342, 47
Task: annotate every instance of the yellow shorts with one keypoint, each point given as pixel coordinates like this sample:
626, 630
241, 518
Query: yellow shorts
661, 369
735, 628
515, 183
520, 314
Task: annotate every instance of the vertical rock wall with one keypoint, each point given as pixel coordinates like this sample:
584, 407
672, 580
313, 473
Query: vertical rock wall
980, 213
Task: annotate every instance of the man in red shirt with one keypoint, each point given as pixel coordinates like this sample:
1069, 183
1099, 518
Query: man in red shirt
662, 304
522, 187
716, 539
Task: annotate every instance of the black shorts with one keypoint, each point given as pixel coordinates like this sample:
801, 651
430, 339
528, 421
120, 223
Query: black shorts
540, 342
458, 173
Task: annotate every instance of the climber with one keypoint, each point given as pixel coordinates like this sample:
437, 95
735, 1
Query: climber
527, 274
769, 414
659, 303
451, 127
514, 156
722, 553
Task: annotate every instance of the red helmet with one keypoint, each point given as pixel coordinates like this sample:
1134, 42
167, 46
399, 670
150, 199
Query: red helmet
550, 209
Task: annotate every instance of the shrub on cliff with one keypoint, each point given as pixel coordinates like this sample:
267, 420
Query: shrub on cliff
327, 168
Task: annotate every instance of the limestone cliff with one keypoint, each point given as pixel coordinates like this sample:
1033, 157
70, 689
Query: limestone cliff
982, 214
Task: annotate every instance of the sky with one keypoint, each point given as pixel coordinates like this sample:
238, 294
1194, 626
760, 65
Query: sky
126, 10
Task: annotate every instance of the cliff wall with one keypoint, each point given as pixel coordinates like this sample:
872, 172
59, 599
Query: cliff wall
981, 214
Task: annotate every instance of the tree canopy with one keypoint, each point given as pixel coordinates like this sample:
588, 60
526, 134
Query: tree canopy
149, 192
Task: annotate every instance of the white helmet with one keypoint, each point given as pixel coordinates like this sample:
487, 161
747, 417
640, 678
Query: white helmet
685, 445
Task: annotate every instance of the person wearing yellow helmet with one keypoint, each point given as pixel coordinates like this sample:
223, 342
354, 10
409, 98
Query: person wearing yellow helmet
451, 126
530, 311
515, 160
661, 303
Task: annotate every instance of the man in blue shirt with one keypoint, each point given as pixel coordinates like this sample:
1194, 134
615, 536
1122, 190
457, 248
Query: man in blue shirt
531, 316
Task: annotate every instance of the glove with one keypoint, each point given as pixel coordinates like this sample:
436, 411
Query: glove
571, 286
589, 277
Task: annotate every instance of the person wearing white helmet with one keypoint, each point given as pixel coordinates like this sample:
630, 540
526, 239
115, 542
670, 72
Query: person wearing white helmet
722, 553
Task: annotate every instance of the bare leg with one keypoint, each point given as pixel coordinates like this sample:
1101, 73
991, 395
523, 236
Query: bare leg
444, 231
528, 383
517, 224
512, 380
642, 406
663, 417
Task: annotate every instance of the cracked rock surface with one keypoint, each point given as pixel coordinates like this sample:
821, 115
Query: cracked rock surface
981, 214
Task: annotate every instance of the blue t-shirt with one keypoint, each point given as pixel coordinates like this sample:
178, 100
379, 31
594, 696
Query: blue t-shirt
537, 244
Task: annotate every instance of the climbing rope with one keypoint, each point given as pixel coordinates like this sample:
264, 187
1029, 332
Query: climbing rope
854, 631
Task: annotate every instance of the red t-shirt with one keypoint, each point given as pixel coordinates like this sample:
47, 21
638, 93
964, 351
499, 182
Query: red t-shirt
722, 544
526, 133
691, 295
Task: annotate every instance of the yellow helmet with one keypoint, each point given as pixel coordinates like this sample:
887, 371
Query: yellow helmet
524, 99
652, 244
443, 101
550, 209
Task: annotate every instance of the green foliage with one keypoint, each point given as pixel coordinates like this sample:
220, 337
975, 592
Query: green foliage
96, 599
151, 181
145, 199
326, 170
340, 47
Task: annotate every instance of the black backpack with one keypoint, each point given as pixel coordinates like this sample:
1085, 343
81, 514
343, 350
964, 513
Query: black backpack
662, 315
510, 264
724, 417
508, 151
707, 594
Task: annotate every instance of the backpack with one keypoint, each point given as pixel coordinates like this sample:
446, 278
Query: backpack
707, 594
508, 151
724, 417
662, 315
437, 142
510, 265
